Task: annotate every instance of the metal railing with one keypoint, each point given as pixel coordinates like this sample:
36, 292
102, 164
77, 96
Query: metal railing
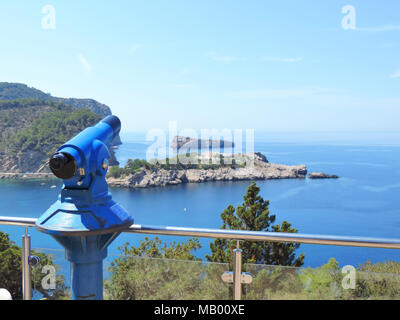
237, 276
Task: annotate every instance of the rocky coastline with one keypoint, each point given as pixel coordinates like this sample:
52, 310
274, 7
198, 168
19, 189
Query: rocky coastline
260, 170
26, 176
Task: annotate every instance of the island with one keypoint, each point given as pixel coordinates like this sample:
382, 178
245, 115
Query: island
254, 166
321, 175
186, 143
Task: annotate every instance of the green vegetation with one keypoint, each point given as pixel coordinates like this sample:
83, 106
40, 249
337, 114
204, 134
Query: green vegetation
380, 280
11, 271
147, 272
33, 124
34, 129
51, 130
26, 103
324, 283
14, 91
139, 273
254, 215
193, 162
157, 271
20, 114
38, 125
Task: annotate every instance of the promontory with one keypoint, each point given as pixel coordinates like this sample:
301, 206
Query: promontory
254, 166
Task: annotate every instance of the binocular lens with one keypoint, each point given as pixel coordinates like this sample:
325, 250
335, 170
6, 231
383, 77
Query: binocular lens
63, 165
57, 162
114, 122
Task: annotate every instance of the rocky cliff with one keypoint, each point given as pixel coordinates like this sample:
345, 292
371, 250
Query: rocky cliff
261, 170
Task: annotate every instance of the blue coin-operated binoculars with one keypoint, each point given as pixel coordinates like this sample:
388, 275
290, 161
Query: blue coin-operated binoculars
85, 219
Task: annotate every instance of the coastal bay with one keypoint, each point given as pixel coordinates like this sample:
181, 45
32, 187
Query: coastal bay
363, 202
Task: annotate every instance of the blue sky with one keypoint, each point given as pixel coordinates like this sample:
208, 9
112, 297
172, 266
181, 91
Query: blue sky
268, 65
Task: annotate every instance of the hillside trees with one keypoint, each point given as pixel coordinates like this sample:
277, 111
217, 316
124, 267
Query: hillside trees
254, 215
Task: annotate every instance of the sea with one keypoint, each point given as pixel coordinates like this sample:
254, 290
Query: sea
363, 202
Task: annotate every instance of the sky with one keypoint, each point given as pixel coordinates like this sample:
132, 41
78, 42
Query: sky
275, 66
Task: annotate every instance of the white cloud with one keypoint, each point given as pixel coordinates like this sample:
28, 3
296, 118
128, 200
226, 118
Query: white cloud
383, 28
84, 62
227, 59
280, 59
396, 74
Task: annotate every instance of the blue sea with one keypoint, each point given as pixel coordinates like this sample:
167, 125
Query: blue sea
363, 202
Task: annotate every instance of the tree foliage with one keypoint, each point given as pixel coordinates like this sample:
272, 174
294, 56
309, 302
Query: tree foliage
51, 130
19, 91
11, 271
12, 91
135, 165
157, 271
254, 215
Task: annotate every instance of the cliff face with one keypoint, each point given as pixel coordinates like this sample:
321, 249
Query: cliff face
262, 170
29, 161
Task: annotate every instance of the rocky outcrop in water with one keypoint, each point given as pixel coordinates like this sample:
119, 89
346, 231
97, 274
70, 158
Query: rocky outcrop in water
261, 170
26, 176
321, 175
187, 143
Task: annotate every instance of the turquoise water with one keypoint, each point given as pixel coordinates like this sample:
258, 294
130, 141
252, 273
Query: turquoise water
363, 202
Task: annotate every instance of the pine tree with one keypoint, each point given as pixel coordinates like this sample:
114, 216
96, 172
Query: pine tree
254, 215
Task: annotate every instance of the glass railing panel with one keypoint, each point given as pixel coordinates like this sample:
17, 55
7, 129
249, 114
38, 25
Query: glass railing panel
51, 276
272, 283
348, 283
376, 285
164, 279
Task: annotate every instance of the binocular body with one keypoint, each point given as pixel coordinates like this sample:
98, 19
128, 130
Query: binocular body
85, 219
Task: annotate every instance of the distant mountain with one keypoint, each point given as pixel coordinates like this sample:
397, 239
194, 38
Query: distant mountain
13, 91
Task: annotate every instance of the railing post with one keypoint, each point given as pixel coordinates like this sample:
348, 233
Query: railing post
26, 268
237, 273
